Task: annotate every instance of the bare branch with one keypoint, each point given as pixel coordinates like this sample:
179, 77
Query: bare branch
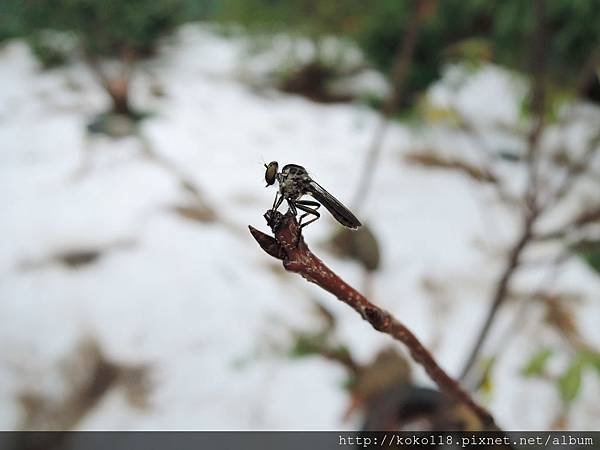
288, 246
590, 216
538, 102
533, 209
501, 291
399, 74
588, 72
576, 169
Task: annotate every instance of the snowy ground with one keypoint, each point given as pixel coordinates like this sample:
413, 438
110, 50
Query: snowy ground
200, 302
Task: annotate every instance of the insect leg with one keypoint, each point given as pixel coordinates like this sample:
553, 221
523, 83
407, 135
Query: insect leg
277, 202
313, 206
308, 211
317, 205
292, 207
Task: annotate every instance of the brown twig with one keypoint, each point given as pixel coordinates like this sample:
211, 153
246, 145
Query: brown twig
532, 209
538, 102
342, 358
501, 290
117, 87
588, 73
399, 74
288, 245
590, 216
575, 170
521, 317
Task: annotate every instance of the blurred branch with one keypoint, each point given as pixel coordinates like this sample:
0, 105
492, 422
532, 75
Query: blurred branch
431, 159
94, 64
501, 291
538, 101
588, 73
342, 358
532, 210
522, 316
561, 317
576, 169
488, 165
592, 215
574, 172
288, 245
400, 71
117, 87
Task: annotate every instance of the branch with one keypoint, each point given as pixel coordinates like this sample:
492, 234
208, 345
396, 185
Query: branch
577, 169
521, 319
538, 101
590, 216
501, 291
531, 197
288, 246
400, 72
588, 73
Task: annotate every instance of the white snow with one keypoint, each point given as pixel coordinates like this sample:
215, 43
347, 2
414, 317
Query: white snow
193, 299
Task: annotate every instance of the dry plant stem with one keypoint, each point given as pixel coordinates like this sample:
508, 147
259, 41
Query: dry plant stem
521, 316
587, 75
538, 102
399, 73
582, 220
288, 245
342, 359
501, 291
575, 171
532, 208
117, 88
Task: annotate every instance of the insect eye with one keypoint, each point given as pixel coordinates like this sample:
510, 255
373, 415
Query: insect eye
271, 172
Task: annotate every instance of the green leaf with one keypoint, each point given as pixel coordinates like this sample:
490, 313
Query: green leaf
593, 259
593, 360
569, 383
537, 363
487, 382
349, 383
590, 252
307, 345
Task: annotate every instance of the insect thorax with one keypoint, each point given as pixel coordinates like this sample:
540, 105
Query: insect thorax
293, 181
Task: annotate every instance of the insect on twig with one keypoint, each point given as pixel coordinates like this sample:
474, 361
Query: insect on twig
295, 183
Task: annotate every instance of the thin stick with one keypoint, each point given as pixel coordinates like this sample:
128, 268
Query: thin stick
288, 245
531, 198
399, 73
501, 292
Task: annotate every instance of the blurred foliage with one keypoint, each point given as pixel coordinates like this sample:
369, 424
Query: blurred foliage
123, 31
307, 70
359, 245
593, 259
469, 30
9, 20
104, 27
557, 97
383, 28
486, 386
589, 251
481, 29
568, 383
312, 18
315, 344
536, 366
52, 48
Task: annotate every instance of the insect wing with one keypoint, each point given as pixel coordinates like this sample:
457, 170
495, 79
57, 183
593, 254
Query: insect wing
337, 210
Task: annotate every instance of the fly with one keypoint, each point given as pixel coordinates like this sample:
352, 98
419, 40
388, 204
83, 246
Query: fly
294, 183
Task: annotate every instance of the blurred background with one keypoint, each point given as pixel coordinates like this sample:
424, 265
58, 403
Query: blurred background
463, 133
